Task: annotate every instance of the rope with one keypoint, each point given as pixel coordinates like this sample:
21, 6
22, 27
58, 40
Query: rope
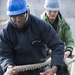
71, 60
33, 66
28, 67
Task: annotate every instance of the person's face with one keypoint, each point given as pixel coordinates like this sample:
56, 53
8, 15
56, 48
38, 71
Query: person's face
52, 14
19, 20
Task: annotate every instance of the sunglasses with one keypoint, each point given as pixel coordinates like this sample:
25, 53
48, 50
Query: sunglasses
19, 15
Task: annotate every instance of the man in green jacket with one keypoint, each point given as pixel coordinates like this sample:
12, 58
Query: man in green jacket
53, 16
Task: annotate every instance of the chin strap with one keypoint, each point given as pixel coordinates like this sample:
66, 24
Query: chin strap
29, 67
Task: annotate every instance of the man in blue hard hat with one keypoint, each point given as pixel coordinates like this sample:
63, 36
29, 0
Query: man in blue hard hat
23, 39
53, 17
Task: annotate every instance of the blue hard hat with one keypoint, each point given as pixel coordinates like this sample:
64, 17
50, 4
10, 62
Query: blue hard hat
52, 5
15, 7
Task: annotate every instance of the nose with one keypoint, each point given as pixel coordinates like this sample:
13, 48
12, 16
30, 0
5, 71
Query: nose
52, 12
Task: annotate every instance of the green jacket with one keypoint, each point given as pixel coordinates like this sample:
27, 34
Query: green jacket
63, 30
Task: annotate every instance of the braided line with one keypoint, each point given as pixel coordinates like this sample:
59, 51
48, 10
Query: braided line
29, 67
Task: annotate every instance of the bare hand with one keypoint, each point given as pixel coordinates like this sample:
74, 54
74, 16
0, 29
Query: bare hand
15, 70
50, 52
67, 53
51, 71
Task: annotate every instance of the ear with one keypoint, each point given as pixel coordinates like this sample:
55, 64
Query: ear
28, 11
44, 8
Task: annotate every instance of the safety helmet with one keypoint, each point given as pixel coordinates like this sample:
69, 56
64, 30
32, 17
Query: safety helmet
15, 7
52, 5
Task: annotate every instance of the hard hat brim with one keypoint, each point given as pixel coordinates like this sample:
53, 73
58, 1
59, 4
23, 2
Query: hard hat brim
52, 9
16, 12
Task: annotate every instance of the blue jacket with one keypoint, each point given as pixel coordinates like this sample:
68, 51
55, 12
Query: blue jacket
20, 46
